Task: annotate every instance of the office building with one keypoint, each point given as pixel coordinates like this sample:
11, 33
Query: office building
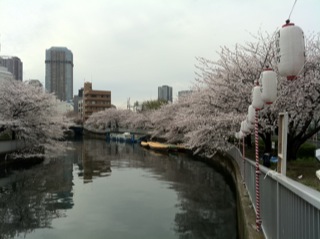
93, 101
165, 93
14, 65
59, 72
184, 93
5, 74
77, 99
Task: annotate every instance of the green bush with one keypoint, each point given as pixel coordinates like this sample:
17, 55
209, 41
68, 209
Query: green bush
5, 136
306, 150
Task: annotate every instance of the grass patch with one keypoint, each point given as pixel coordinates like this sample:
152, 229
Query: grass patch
302, 170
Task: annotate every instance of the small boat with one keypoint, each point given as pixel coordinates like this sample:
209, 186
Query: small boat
144, 144
158, 146
125, 137
161, 146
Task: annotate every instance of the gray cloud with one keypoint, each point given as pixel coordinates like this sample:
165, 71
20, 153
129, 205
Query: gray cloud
133, 46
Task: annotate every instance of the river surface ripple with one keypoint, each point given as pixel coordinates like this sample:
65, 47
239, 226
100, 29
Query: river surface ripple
109, 190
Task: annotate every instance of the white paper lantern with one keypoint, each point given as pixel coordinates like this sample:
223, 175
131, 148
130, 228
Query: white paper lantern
290, 50
244, 127
241, 135
257, 101
251, 114
250, 125
269, 86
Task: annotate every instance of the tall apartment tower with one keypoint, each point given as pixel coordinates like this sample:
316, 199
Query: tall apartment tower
165, 93
14, 65
59, 72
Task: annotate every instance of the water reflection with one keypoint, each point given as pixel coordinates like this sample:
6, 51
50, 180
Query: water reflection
92, 160
30, 199
204, 205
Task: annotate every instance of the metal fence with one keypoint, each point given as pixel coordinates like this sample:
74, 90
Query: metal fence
288, 208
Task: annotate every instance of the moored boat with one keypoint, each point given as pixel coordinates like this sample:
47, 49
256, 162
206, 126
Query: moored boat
158, 146
144, 144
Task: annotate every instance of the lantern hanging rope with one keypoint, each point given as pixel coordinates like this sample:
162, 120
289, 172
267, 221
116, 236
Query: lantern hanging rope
294, 4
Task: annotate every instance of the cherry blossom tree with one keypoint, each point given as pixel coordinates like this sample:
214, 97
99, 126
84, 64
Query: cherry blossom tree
206, 120
118, 118
107, 119
301, 99
230, 79
31, 115
139, 120
206, 128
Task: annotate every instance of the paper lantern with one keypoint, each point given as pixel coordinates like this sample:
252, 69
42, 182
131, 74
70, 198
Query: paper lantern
269, 86
250, 125
241, 135
244, 127
257, 102
251, 114
290, 50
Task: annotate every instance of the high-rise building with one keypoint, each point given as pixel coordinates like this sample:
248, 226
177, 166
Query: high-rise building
184, 93
59, 72
165, 93
77, 99
5, 74
14, 65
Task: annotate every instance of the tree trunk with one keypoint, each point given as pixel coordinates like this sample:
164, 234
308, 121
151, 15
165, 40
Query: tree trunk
266, 137
268, 143
248, 142
292, 150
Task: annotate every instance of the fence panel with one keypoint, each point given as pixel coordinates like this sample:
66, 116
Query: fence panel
288, 208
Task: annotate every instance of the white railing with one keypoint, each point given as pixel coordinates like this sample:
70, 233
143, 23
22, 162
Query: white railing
289, 209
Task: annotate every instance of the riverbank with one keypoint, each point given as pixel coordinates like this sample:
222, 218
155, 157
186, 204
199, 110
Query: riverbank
246, 215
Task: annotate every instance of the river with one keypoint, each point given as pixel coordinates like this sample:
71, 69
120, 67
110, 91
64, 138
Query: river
111, 190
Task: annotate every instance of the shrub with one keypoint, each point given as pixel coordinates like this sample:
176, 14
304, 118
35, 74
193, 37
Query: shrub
306, 150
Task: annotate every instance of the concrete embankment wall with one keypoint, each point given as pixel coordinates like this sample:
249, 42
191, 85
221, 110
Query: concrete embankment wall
245, 212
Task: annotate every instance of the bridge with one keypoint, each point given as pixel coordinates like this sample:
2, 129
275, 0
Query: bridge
9, 146
119, 134
80, 128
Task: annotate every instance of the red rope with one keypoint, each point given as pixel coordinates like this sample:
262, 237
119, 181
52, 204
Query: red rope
243, 158
258, 219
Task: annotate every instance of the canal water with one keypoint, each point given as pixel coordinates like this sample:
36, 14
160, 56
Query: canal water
109, 190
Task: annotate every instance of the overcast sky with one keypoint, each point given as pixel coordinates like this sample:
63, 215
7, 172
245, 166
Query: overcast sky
133, 46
